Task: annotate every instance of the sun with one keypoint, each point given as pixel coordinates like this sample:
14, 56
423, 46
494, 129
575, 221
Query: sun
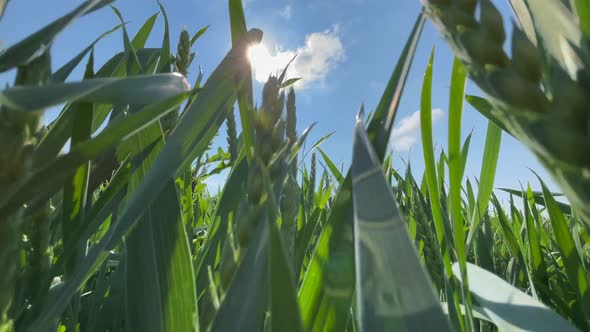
261, 60
265, 64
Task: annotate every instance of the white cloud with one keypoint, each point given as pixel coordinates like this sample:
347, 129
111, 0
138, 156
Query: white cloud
407, 133
322, 52
286, 11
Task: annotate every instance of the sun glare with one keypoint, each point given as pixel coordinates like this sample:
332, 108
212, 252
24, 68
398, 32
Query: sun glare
264, 63
261, 60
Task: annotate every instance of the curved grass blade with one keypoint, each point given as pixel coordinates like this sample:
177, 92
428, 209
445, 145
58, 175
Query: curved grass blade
160, 290
509, 308
457, 95
46, 180
29, 48
144, 32
198, 35
130, 54
465, 154
139, 90
335, 172
326, 293
193, 130
394, 291
539, 199
381, 124
484, 107
164, 65
62, 74
316, 144
487, 176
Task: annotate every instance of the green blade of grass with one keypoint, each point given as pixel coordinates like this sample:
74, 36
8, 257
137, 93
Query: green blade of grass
198, 34
509, 308
333, 169
139, 90
539, 199
487, 176
458, 81
144, 32
28, 49
326, 293
164, 65
159, 290
64, 72
130, 54
394, 292
465, 154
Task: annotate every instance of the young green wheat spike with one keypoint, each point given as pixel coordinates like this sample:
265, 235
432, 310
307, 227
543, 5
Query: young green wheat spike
537, 95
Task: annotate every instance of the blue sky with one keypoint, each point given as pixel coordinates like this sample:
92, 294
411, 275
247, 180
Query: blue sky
347, 50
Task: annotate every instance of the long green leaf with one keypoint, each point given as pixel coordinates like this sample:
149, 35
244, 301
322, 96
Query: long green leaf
394, 292
28, 49
144, 32
160, 290
164, 65
487, 176
139, 90
457, 95
335, 172
539, 199
62, 74
509, 308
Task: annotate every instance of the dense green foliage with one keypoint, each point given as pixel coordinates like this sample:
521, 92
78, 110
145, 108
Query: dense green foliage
120, 233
